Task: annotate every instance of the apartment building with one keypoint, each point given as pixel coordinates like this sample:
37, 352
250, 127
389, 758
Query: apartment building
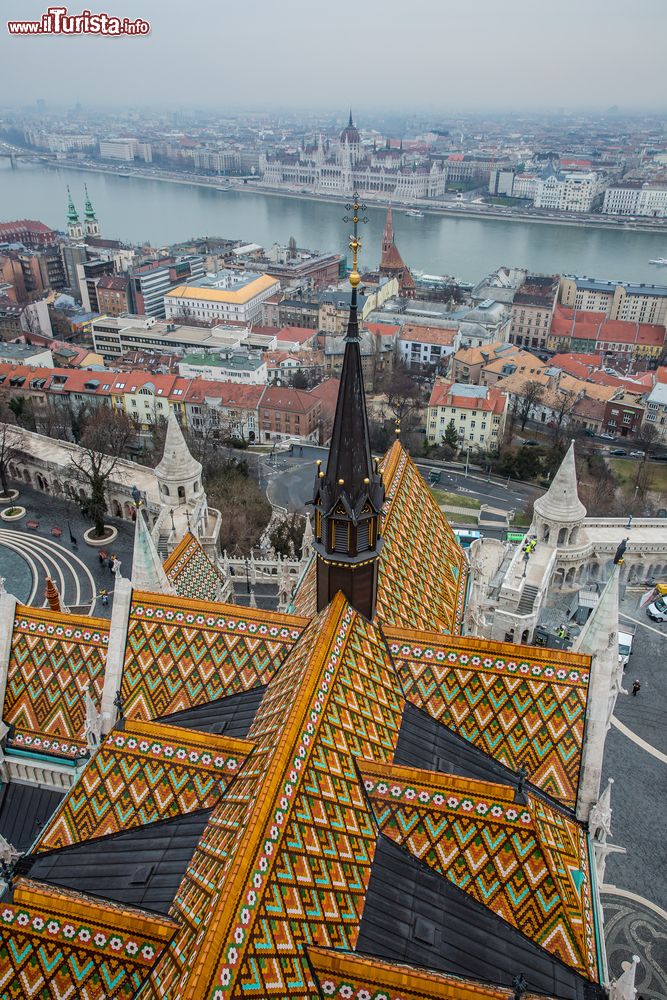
150, 282
286, 413
235, 296
114, 336
533, 309
250, 369
426, 346
626, 300
478, 413
656, 409
635, 198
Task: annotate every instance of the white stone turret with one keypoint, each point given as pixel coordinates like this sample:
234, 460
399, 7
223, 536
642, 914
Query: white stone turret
147, 571
178, 474
624, 987
598, 639
559, 513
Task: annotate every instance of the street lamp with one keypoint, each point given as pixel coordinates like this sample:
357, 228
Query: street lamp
247, 576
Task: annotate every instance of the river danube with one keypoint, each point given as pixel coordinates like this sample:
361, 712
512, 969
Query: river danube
158, 212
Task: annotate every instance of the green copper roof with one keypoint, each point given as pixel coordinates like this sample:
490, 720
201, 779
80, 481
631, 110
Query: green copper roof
88, 208
72, 214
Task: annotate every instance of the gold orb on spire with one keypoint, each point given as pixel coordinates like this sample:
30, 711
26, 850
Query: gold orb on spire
355, 278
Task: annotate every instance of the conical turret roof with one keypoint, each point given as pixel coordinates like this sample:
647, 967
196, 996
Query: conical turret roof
147, 570
561, 501
177, 465
89, 212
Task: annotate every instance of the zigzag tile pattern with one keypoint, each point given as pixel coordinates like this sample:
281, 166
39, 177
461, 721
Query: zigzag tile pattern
423, 571
291, 847
358, 977
181, 653
60, 945
527, 863
143, 774
523, 705
305, 598
191, 571
53, 659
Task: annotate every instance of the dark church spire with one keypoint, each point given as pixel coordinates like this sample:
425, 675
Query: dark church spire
348, 497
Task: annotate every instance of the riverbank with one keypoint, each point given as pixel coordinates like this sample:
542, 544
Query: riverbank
458, 210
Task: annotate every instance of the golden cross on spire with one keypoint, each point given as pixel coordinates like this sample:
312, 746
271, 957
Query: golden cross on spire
355, 241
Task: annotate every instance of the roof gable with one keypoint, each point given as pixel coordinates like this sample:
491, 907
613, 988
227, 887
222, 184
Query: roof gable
54, 658
527, 862
524, 706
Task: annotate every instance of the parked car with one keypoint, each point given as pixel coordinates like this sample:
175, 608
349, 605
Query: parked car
531, 444
657, 611
618, 451
608, 437
636, 454
626, 635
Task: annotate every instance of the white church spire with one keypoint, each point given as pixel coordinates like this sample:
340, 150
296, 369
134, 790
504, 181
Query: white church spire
147, 570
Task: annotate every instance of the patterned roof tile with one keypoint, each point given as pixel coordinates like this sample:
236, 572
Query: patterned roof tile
359, 977
528, 863
286, 858
142, 774
423, 570
523, 705
57, 943
182, 652
191, 571
54, 657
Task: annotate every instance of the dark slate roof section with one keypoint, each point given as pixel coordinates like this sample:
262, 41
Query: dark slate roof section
414, 915
24, 810
426, 743
140, 867
230, 716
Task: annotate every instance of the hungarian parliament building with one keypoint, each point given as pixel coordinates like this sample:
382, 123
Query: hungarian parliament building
346, 165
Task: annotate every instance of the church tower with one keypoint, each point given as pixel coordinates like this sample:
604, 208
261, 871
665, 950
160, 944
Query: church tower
392, 264
348, 497
74, 227
91, 225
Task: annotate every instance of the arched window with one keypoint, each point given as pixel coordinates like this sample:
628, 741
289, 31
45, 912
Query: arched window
562, 536
181, 492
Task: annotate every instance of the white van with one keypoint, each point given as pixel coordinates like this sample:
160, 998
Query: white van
657, 611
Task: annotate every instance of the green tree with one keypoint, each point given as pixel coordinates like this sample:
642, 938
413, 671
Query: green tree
244, 506
451, 435
287, 536
11, 442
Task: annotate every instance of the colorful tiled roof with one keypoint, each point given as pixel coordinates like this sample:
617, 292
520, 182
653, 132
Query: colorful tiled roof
286, 857
528, 863
359, 977
142, 774
54, 657
191, 571
181, 652
523, 705
305, 598
56, 943
423, 571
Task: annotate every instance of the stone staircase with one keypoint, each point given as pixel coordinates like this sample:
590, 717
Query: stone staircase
527, 602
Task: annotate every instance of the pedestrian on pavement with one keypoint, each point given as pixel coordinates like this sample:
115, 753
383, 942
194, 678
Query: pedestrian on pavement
105, 599
102, 558
112, 563
635, 688
629, 524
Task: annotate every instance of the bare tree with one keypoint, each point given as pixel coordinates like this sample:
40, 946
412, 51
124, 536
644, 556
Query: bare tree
11, 443
531, 394
647, 439
402, 391
105, 439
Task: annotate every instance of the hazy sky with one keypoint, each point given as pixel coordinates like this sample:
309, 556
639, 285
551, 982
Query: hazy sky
387, 54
